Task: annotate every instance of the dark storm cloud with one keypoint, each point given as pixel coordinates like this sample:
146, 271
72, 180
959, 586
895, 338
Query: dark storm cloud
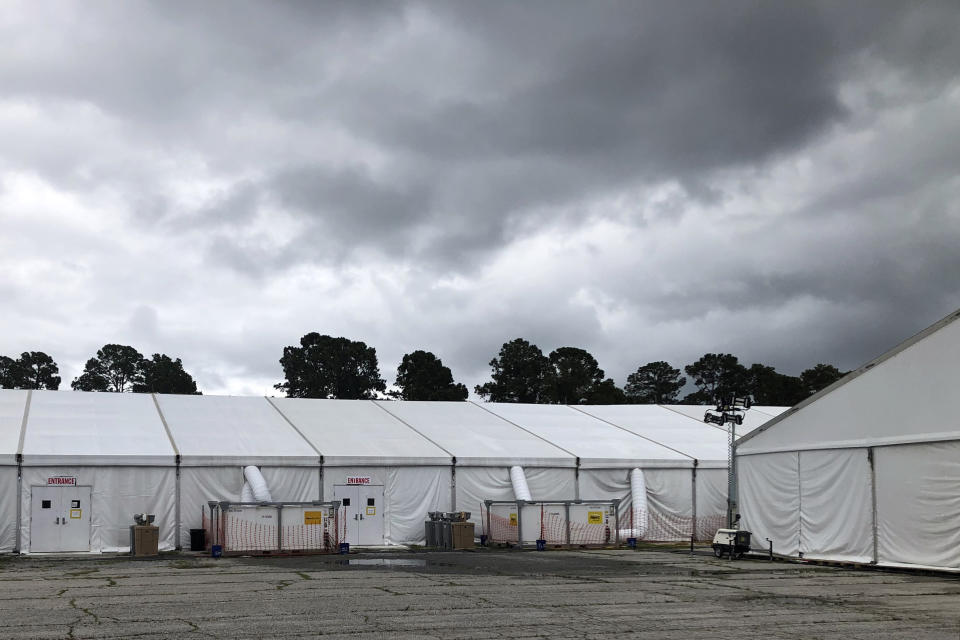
644, 179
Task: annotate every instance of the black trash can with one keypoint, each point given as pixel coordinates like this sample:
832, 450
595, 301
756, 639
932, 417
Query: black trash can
198, 539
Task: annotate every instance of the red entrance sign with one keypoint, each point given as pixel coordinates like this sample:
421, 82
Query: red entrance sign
59, 481
359, 480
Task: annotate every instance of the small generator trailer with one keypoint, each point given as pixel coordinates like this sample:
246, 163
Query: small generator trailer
732, 541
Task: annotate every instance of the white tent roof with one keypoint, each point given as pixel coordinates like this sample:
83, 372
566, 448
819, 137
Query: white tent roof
752, 419
773, 412
12, 404
223, 430
359, 432
95, 428
691, 436
597, 443
906, 395
478, 437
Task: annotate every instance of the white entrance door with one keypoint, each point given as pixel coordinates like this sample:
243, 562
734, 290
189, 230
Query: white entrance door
60, 519
363, 505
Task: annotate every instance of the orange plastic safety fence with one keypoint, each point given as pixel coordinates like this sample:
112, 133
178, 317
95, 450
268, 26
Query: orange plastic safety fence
653, 526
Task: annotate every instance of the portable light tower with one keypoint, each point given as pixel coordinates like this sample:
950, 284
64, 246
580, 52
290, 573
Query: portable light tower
729, 413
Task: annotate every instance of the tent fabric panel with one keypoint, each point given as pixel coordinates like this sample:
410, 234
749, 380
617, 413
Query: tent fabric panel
12, 405
769, 500
475, 436
358, 429
8, 509
198, 485
102, 460
711, 502
384, 461
296, 484
244, 460
677, 430
476, 484
918, 504
409, 493
670, 499
681, 462
582, 434
861, 411
116, 494
96, 428
836, 505
532, 463
208, 429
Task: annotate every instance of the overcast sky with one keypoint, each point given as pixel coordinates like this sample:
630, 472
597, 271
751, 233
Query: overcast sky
649, 181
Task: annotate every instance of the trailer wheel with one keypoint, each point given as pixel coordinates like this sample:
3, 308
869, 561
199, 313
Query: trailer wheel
718, 551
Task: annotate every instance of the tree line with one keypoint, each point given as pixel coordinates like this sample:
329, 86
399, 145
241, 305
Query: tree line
327, 367
116, 368
323, 366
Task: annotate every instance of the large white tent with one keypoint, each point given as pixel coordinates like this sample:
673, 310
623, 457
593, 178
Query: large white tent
867, 470
389, 462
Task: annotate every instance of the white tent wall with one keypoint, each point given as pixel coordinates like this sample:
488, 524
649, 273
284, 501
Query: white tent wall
12, 405
836, 512
769, 499
476, 484
117, 494
918, 504
669, 497
409, 494
198, 485
711, 501
8, 509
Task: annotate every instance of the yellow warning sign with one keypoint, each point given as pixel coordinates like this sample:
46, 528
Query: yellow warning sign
313, 517
75, 514
371, 511
513, 519
595, 517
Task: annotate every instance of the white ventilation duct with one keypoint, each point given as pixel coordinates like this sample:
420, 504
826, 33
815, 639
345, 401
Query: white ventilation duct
519, 481
638, 496
246, 495
258, 486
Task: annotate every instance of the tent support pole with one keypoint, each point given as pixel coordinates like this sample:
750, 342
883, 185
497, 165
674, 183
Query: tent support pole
453, 484
873, 499
576, 480
693, 501
320, 474
19, 500
179, 545
23, 435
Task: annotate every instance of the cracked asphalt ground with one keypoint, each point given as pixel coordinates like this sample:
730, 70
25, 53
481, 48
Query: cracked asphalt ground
486, 594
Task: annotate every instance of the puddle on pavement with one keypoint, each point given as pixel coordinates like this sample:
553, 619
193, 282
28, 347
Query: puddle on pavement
384, 562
